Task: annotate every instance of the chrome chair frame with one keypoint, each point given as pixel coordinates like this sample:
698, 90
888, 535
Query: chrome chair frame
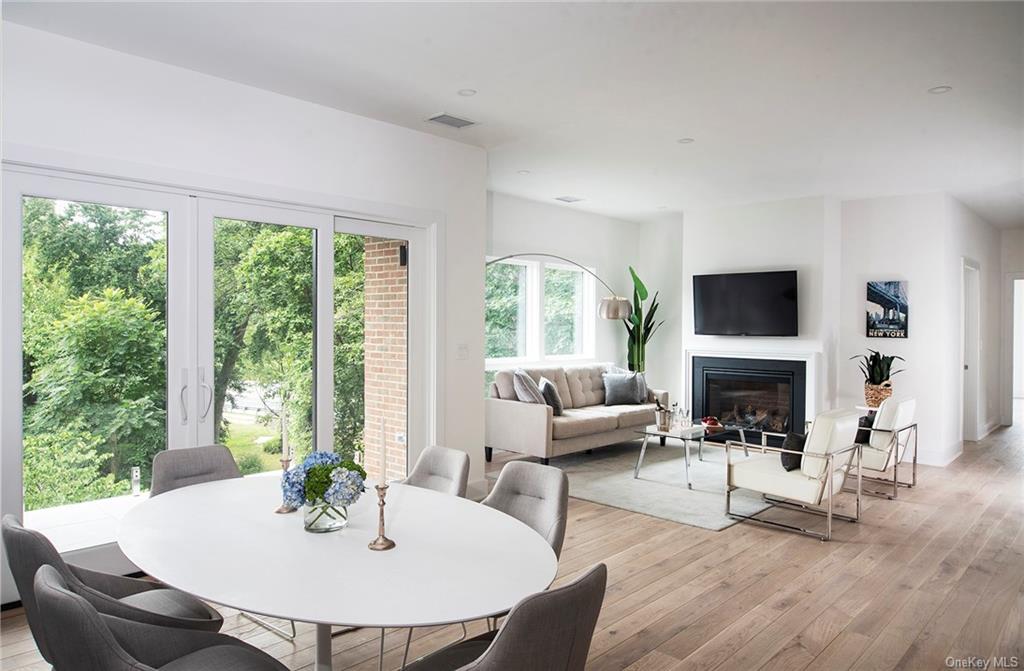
894, 450
787, 504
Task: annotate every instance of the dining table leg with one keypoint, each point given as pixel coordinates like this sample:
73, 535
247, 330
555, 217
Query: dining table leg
323, 647
380, 657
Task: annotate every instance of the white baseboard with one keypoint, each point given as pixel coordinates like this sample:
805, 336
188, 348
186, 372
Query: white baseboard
989, 428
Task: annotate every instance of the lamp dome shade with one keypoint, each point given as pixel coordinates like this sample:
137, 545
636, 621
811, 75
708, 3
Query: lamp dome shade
615, 307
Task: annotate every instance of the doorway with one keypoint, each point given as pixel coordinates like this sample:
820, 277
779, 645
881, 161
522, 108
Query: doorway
971, 349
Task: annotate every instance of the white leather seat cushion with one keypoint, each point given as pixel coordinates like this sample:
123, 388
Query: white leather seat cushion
764, 473
628, 415
575, 422
586, 385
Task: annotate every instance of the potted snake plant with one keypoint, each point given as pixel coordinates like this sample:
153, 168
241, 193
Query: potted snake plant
877, 370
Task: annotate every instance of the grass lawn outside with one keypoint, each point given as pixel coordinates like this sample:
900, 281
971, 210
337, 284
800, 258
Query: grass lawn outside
242, 437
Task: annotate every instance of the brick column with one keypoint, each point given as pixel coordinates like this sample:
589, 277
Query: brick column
385, 317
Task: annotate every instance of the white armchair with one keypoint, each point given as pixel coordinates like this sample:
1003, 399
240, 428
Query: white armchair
830, 451
892, 433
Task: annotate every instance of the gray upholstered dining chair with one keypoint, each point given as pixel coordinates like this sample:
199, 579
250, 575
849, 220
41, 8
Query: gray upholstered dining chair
85, 640
548, 631
181, 467
139, 600
536, 495
441, 469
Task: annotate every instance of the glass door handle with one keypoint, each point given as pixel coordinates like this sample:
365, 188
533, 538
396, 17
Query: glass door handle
183, 396
208, 389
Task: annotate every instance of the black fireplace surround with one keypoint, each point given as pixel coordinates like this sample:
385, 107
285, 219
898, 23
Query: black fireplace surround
756, 394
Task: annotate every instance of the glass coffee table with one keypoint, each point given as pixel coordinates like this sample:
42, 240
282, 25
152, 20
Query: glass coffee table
690, 434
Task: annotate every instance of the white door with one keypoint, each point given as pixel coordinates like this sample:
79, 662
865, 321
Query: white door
971, 357
95, 354
263, 332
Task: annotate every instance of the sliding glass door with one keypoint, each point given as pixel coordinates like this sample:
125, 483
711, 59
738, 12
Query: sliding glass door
142, 319
257, 336
94, 277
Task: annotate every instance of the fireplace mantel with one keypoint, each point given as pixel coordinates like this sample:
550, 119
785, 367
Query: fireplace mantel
813, 401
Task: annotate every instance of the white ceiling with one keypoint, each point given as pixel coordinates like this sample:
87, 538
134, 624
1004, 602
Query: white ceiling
783, 100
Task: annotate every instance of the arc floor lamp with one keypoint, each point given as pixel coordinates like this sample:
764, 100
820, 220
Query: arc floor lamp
613, 307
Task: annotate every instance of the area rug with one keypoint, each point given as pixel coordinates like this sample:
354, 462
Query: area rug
606, 477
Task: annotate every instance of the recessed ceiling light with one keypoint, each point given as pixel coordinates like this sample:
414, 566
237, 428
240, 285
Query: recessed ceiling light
568, 199
939, 90
685, 140
523, 172
467, 93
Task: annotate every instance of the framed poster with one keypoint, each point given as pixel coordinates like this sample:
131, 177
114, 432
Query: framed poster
887, 309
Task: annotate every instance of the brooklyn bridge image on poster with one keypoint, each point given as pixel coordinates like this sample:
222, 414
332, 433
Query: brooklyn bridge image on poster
887, 309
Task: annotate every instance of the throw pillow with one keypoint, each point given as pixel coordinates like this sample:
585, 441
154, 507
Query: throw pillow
551, 397
793, 441
624, 389
527, 390
865, 422
641, 378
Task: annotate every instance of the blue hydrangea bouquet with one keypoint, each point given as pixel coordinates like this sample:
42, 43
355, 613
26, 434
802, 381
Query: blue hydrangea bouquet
324, 486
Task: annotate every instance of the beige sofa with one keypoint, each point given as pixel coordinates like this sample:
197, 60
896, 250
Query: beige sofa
586, 422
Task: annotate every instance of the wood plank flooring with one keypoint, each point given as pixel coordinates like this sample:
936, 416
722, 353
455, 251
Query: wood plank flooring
937, 573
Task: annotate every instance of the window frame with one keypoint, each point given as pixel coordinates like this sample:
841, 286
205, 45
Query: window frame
535, 318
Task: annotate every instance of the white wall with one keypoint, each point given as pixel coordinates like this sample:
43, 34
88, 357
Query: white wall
801, 235
659, 254
74, 105
1018, 339
902, 238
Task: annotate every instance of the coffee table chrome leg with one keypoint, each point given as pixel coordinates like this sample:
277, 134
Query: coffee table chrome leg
686, 460
640, 459
323, 647
700, 449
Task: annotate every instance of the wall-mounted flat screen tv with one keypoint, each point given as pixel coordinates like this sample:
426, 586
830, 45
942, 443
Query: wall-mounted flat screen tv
745, 304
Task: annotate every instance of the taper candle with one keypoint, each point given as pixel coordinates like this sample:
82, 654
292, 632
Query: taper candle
383, 454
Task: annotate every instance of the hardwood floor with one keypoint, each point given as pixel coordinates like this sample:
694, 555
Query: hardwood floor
938, 573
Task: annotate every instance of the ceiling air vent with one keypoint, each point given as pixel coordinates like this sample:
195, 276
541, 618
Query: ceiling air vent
568, 199
451, 121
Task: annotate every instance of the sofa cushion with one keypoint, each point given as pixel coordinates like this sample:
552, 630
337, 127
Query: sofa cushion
628, 415
764, 473
575, 422
526, 388
504, 386
586, 385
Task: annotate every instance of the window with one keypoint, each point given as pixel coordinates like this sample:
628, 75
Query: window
94, 339
563, 311
506, 310
537, 312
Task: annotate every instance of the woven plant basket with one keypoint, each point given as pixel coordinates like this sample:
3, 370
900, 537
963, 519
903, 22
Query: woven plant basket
874, 394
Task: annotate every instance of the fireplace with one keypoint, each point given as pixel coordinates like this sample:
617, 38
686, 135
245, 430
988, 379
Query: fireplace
753, 394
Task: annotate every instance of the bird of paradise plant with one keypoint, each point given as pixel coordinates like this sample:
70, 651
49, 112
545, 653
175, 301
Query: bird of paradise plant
640, 327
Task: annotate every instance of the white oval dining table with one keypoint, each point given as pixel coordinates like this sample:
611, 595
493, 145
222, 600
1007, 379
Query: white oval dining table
454, 560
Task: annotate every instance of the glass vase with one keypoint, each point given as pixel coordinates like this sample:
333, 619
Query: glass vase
320, 518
